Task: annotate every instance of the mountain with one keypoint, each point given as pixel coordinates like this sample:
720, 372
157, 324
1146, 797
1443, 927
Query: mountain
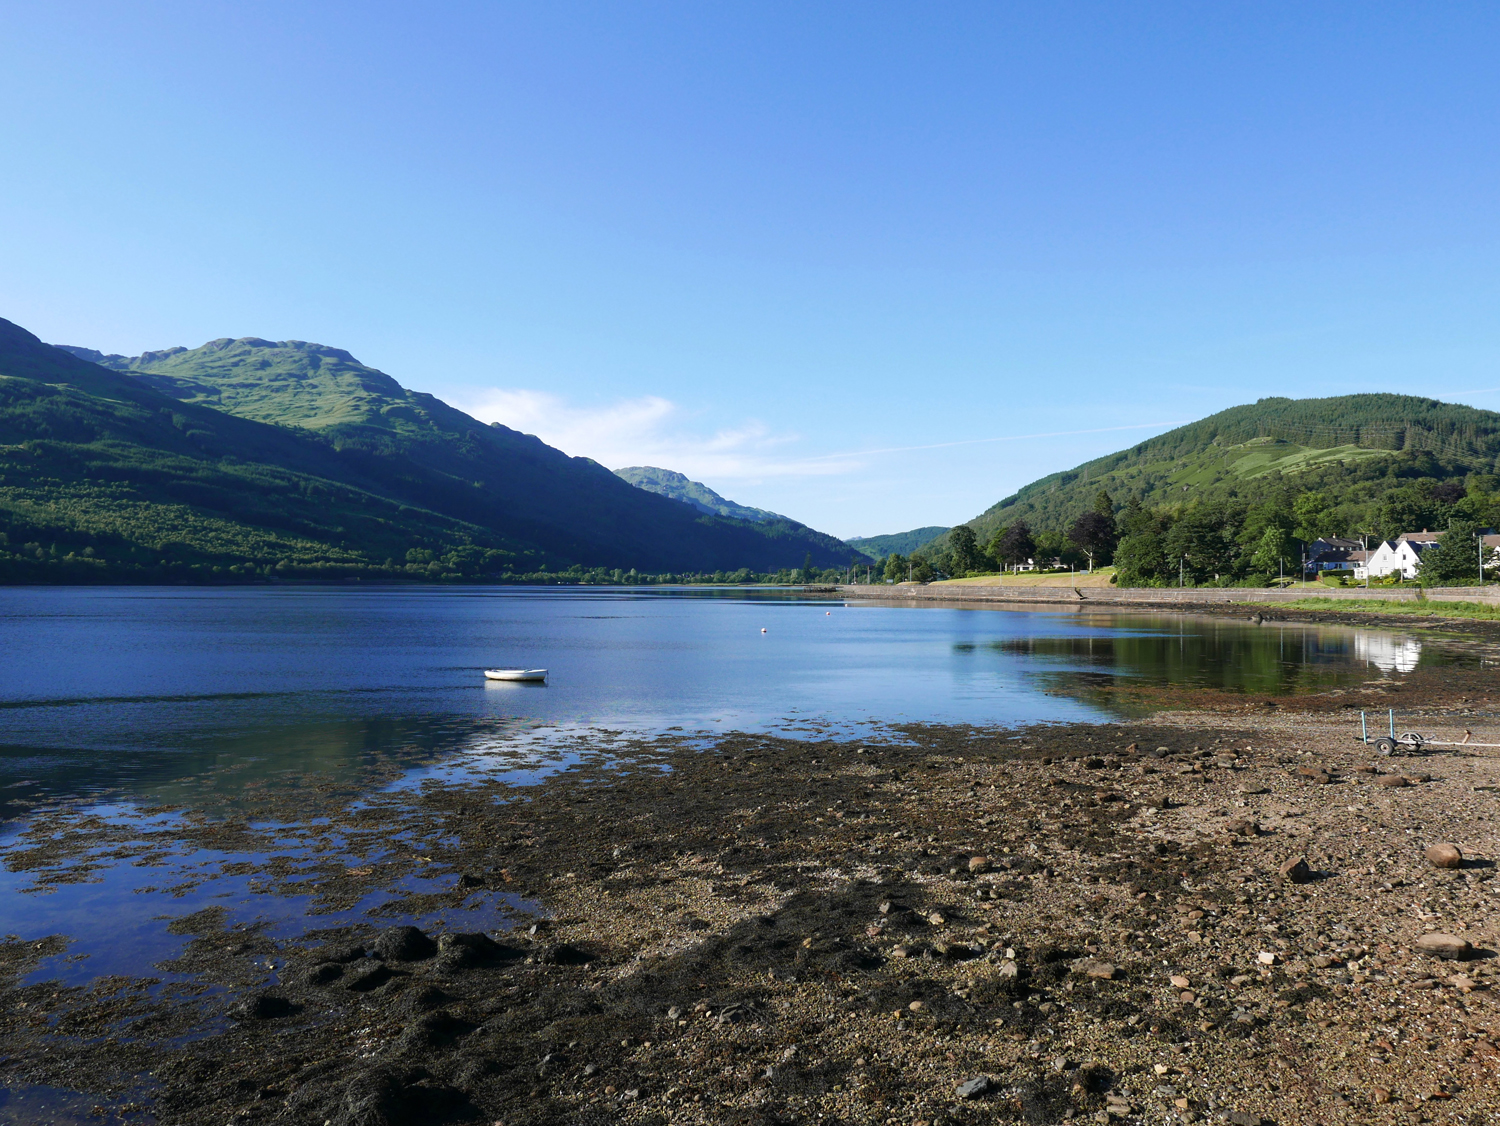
879, 548
252, 456
667, 483
1355, 449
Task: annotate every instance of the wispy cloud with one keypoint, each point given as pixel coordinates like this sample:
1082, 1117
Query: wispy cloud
650, 430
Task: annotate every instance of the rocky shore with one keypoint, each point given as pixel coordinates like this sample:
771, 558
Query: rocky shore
1206, 915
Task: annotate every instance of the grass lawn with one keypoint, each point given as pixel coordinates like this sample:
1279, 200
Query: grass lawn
1427, 609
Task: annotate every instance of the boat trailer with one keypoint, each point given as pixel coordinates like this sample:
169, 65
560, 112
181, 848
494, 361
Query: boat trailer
1410, 742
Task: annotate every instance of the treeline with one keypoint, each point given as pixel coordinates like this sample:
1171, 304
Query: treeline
60, 563
1234, 542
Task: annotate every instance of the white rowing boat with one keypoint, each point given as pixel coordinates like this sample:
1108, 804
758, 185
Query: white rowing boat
515, 674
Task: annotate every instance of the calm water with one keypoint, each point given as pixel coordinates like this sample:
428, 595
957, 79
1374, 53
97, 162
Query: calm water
170, 694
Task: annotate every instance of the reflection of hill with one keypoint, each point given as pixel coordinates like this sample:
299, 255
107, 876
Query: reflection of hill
270, 771
1389, 654
1258, 660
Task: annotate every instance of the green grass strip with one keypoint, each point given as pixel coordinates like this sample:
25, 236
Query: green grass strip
1427, 609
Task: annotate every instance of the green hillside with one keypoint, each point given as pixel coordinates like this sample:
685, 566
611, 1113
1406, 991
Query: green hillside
1353, 448
902, 543
1236, 498
309, 463
669, 483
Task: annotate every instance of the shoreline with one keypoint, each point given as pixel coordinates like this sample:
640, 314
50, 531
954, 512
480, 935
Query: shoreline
766, 930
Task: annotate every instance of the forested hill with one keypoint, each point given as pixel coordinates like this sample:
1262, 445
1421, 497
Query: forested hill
307, 463
670, 483
1353, 449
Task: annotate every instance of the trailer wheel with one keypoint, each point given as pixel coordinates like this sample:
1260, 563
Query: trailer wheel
1385, 745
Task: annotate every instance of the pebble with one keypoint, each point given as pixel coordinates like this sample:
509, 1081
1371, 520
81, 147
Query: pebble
979, 864
1296, 870
1099, 971
1242, 827
974, 1088
1391, 780
1380, 1095
1441, 945
1266, 958
1445, 856
1180, 982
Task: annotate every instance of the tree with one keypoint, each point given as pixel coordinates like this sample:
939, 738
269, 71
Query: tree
1455, 559
1016, 546
1312, 512
1202, 540
1273, 552
895, 567
1140, 560
921, 571
1093, 533
965, 549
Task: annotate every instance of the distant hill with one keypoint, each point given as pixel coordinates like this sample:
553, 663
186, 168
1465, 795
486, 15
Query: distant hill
253, 456
668, 483
1355, 448
902, 543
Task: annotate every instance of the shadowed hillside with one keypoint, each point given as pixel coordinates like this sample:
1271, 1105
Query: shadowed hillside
308, 463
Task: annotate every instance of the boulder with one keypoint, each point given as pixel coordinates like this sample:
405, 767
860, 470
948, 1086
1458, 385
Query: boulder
1296, 870
1445, 855
1440, 945
404, 944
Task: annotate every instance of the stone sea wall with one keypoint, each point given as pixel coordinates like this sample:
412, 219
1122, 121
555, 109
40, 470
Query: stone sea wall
1152, 596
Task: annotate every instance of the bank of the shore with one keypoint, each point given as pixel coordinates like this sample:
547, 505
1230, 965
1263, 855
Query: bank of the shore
1090, 920
1154, 598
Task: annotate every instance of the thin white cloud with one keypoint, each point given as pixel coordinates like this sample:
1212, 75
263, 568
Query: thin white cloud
649, 430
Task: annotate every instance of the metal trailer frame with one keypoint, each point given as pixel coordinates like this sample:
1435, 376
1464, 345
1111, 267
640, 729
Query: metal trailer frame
1408, 742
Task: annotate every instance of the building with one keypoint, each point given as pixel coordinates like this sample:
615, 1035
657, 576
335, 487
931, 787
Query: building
1404, 553
1334, 554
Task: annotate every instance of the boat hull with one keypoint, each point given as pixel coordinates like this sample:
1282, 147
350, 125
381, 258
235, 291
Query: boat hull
532, 675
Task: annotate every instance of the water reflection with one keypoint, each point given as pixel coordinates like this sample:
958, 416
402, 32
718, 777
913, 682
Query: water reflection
1387, 653
1211, 653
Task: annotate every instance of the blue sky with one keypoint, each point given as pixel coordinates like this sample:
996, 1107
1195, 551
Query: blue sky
837, 260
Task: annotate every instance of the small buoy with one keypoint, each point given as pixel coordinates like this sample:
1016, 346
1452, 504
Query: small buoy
762, 629
828, 613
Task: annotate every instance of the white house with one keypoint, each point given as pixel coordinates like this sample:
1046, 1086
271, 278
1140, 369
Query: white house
1404, 553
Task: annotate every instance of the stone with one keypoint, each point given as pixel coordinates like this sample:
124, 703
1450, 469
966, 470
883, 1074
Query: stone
1099, 971
365, 978
1243, 1118
1445, 855
1391, 781
1009, 971
1241, 827
1380, 1095
564, 954
1180, 982
974, 1088
404, 944
1440, 945
1266, 958
1295, 870
323, 973
978, 864
263, 1006
916, 1006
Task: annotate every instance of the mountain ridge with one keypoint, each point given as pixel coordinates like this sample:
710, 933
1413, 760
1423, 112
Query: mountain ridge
461, 485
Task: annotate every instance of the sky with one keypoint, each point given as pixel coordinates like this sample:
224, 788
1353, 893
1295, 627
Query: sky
871, 265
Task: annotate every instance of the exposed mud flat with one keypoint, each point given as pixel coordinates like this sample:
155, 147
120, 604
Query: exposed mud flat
761, 930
